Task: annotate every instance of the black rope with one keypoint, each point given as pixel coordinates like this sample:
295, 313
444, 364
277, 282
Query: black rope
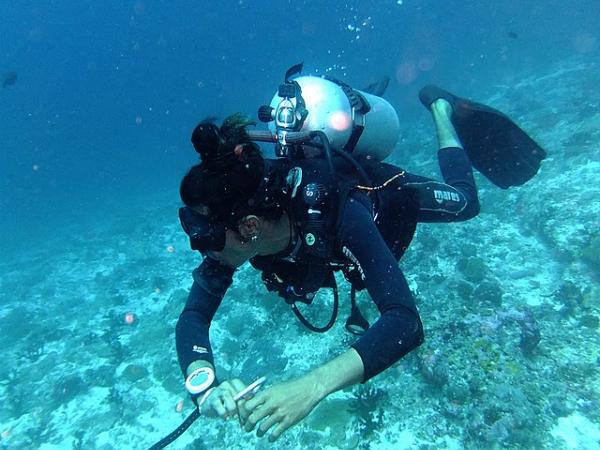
332, 320
177, 432
356, 323
325, 143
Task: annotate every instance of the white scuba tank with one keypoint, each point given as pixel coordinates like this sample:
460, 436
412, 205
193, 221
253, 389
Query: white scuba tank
330, 111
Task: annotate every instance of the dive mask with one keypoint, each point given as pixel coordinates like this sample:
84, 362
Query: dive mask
205, 233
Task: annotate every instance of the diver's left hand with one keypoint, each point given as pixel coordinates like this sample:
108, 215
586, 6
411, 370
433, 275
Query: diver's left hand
280, 407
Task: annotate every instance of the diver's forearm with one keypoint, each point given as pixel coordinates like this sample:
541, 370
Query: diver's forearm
197, 364
343, 371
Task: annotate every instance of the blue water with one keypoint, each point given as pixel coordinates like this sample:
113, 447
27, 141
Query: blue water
96, 126
86, 72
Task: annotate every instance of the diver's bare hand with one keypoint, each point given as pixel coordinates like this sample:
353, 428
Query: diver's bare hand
279, 407
219, 402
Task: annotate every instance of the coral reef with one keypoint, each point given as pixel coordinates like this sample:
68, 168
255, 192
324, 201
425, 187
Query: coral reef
508, 302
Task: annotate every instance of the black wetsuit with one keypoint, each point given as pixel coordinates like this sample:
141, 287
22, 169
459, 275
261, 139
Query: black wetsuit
376, 244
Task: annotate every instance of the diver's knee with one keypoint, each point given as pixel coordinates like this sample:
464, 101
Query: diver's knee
472, 210
416, 334
419, 335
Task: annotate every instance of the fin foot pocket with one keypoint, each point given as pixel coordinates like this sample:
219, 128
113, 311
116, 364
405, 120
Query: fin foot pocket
498, 148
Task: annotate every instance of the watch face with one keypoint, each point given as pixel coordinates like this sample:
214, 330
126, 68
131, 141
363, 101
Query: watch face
200, 380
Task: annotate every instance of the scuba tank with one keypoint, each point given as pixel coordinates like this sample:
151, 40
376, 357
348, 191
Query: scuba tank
354, 121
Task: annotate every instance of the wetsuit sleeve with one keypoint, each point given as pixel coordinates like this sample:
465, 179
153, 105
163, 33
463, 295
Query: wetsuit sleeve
398, 330
454, 200
211, 281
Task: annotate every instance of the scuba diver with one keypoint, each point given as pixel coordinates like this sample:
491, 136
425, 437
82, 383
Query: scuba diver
327, 203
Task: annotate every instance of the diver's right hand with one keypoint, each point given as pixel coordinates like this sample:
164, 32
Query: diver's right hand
219, 401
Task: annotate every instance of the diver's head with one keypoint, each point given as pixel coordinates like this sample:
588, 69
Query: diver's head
231, 182
220, 147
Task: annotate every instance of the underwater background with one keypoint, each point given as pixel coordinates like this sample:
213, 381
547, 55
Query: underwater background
97, 104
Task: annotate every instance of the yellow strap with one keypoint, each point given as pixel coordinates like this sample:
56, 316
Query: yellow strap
377, 188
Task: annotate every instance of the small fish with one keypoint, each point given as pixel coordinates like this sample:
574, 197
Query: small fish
512, 35
9, 79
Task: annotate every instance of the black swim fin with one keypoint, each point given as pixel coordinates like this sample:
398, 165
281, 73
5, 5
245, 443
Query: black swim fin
378, 88
496, 146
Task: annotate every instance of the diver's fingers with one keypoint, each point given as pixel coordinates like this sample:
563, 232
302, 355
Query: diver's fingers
256, 401
257, 415
219, 401
268, 423
214, 405
227, 392
229, 405
279, 430
247, 407
237, 385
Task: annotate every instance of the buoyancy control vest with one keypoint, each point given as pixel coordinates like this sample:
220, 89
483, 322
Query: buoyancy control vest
314, 195
315, 198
